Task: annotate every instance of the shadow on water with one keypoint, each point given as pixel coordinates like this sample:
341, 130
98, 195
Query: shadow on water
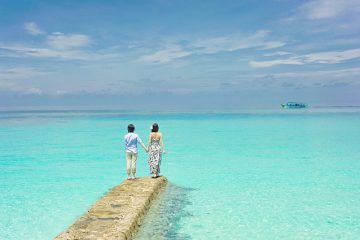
163, 219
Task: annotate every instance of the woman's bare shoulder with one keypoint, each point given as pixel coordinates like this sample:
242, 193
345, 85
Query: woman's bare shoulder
155, 134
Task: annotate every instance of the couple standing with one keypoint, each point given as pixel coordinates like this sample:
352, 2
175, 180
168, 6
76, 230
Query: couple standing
155, 149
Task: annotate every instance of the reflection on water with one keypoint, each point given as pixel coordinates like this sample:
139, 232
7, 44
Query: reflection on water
163, 219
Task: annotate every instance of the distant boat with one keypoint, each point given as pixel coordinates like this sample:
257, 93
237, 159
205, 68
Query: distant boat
294, 105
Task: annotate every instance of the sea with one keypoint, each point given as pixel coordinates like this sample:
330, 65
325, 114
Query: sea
249, 174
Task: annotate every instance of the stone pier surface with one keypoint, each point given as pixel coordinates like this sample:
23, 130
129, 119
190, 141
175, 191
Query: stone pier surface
119, 213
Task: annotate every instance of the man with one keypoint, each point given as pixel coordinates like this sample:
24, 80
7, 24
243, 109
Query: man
131, 141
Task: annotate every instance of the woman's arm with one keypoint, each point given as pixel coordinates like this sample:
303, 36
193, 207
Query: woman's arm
162, 143
149, 140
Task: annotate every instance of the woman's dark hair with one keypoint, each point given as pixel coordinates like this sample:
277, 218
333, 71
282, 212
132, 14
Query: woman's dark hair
155, 127
131, 128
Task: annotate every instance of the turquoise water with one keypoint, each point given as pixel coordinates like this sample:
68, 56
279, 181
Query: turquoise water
247, 175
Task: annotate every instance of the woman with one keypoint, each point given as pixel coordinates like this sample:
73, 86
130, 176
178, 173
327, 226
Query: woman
156, 148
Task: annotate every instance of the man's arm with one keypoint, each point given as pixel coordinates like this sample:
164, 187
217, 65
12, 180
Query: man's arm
142, 144
144, 147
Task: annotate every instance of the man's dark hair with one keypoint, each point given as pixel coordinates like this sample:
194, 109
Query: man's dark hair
131, 128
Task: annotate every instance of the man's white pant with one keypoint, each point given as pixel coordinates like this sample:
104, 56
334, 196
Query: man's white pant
131, 162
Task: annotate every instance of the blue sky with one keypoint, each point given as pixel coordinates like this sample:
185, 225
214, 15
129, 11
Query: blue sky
179, 54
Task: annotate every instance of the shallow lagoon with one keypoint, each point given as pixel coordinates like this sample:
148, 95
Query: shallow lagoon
245, 175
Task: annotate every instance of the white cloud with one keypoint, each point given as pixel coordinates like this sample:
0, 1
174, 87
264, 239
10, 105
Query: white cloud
19, 73
66, 54
330, 57
271, 45
303, 79
323, 9
326, 74
33, 29
234, 43
212, 46
58, 45
321, 78
67, 41
279, 53
61, 92
265, 64
11, 80
335, 17
166, 55
33, 90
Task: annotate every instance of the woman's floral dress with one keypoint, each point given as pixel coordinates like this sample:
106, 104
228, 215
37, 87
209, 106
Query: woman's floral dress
155, 156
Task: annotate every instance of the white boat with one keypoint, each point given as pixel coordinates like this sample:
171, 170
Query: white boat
294, 105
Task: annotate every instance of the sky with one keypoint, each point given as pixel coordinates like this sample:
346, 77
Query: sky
179, 54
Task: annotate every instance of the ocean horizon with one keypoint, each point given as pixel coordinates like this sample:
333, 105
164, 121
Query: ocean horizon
244, 174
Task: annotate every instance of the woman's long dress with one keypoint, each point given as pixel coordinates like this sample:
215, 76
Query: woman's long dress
155, 156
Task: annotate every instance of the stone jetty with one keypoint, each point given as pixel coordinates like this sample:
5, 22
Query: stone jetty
119, 213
